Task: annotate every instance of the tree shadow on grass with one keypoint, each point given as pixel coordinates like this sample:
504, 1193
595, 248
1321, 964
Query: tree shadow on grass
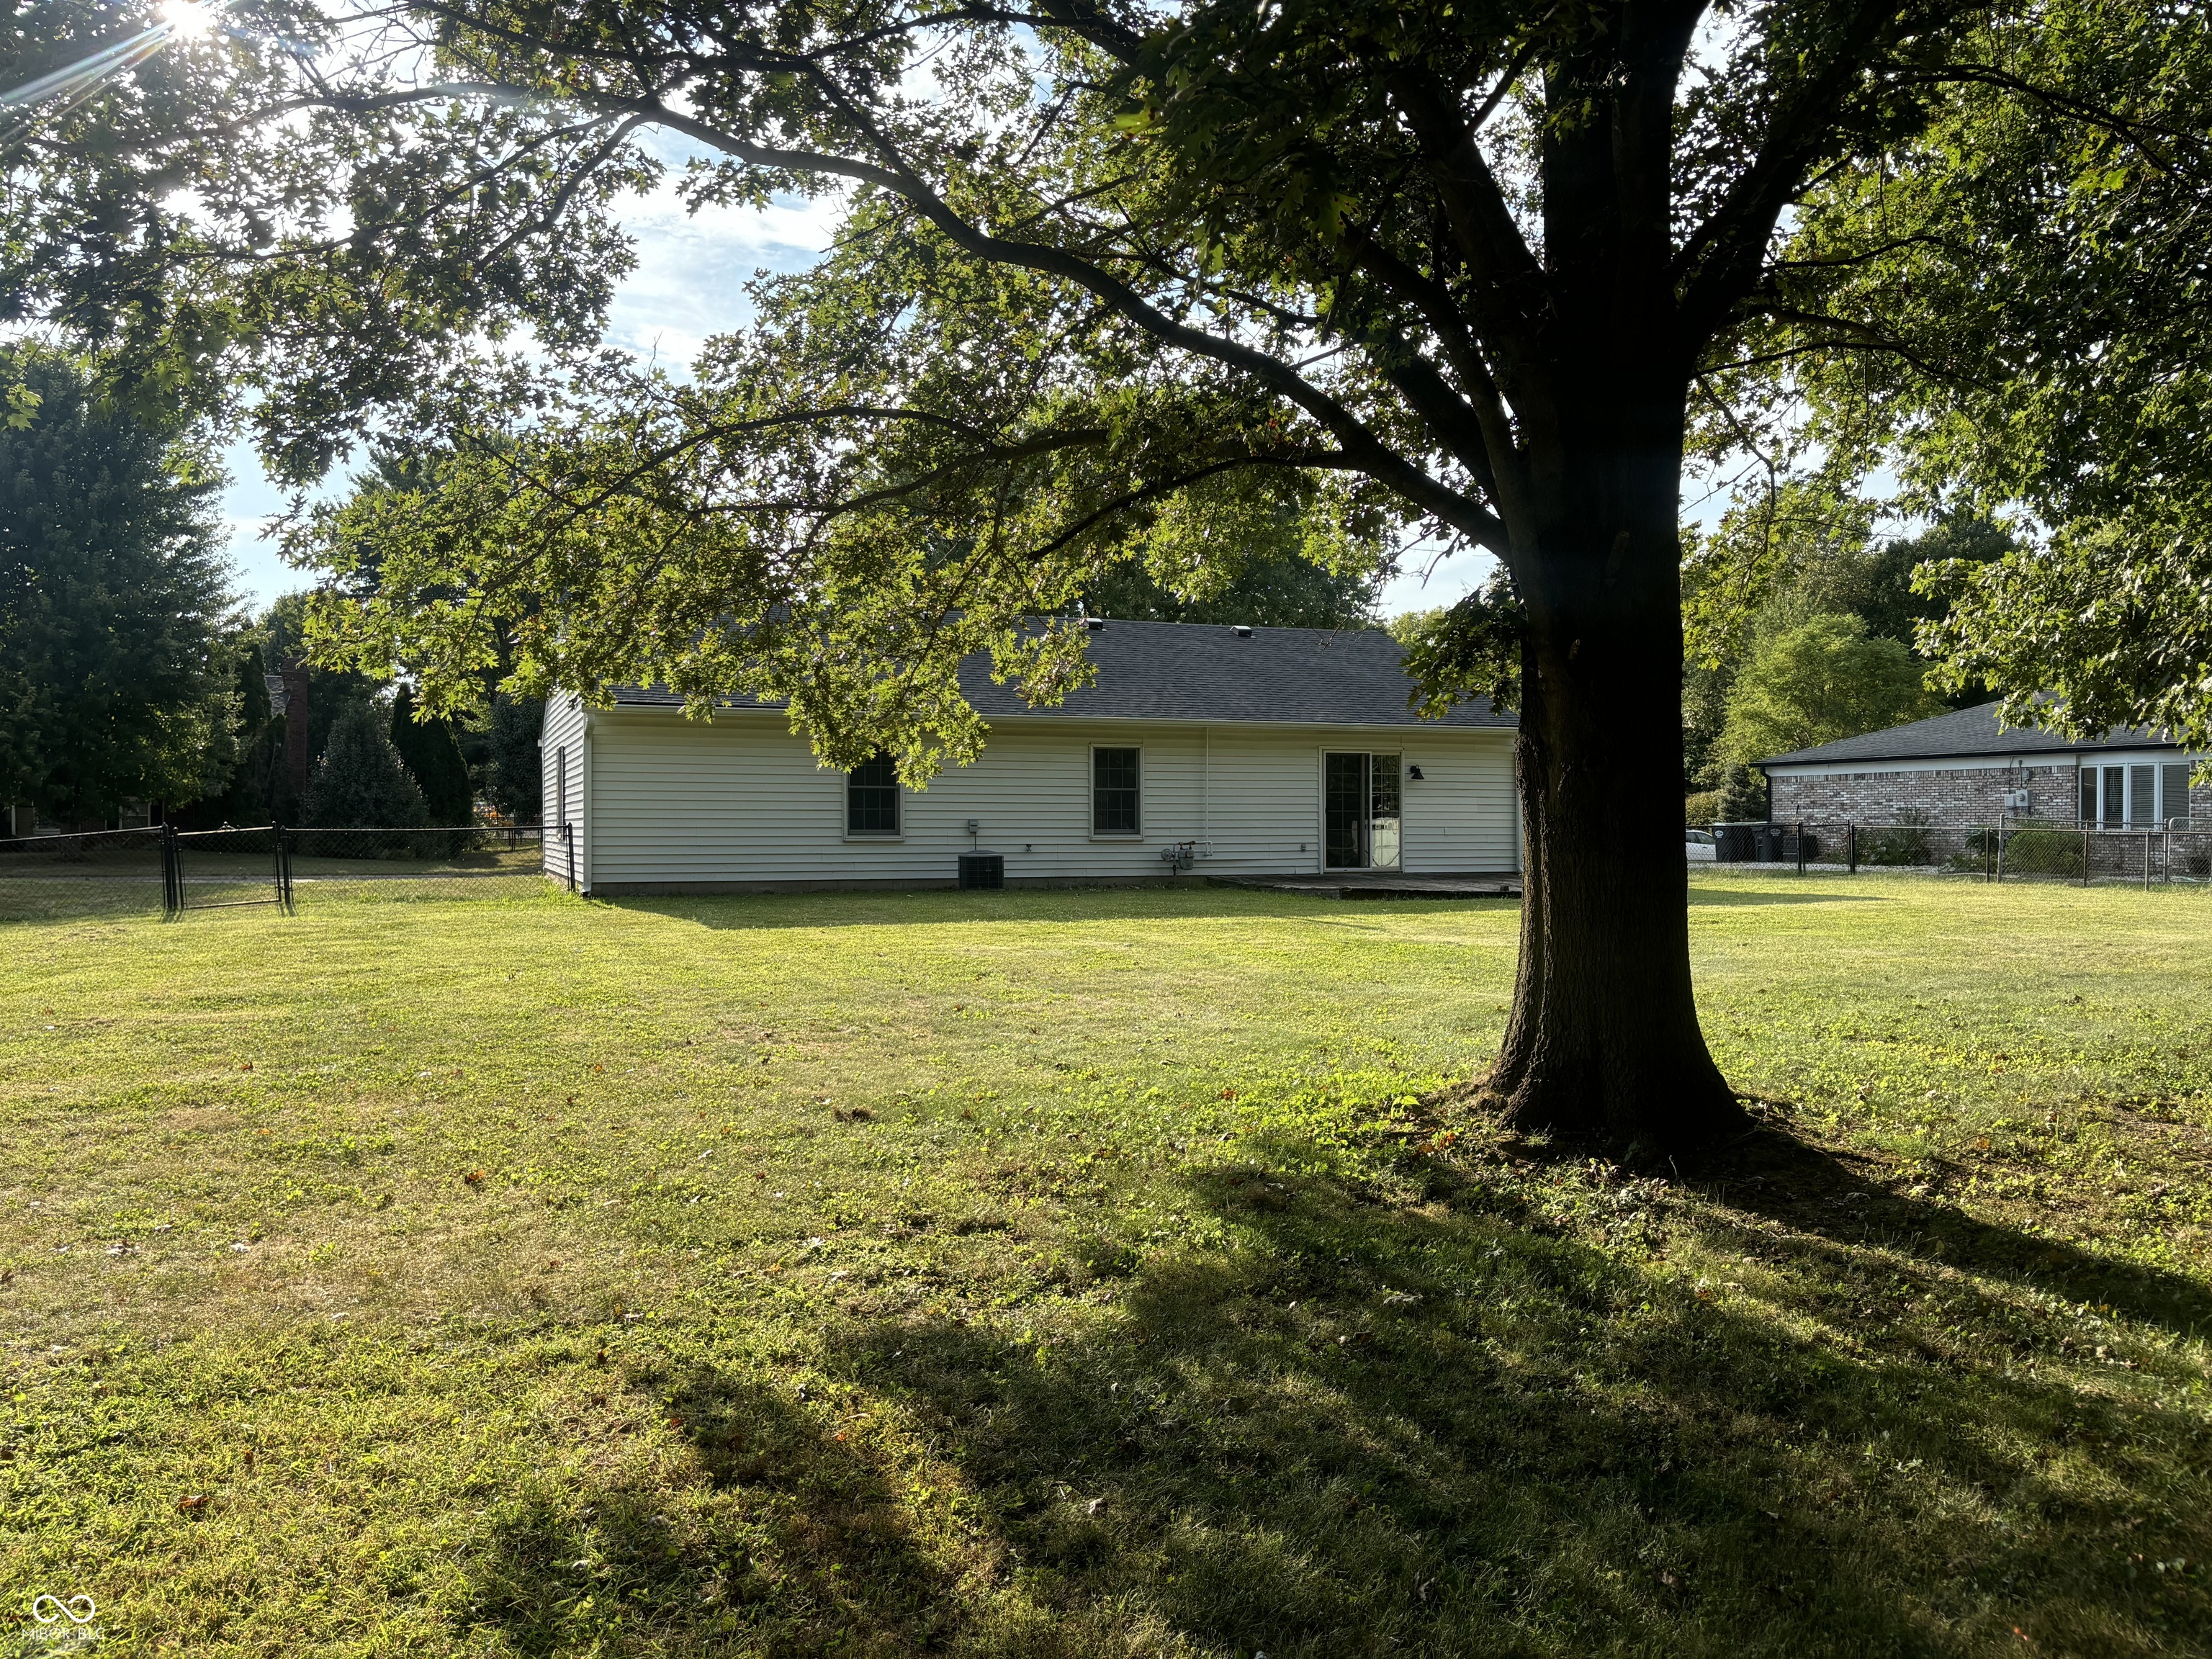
1438, 1429
1440, 1420
1839, 1197
776, 1540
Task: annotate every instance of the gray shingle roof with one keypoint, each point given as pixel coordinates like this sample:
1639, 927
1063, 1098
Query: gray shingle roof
1197, 672
1961, 733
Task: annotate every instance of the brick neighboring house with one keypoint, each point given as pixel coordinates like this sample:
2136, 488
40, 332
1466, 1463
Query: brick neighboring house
1961, 768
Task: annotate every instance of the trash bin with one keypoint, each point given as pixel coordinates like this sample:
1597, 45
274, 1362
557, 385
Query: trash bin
1735, 843
1774, 843
983, 869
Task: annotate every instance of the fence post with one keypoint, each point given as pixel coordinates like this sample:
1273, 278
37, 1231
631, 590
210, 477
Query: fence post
568, 844
1851, 846
172, 874
2147, 860
2085, 855
1801, 848
2000, 847
283, 867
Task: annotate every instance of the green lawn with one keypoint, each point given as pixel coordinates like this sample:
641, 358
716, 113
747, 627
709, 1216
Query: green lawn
1081, 1274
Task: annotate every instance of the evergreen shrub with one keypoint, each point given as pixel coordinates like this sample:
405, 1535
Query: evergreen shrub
361, 780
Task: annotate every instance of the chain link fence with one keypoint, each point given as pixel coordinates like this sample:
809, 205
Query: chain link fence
103, 872
2012, 851
125, 871
478, 862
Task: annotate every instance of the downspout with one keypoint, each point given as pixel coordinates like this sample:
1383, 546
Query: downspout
1321, 810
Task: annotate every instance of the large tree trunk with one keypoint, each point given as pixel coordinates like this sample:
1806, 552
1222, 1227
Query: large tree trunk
1604, 1044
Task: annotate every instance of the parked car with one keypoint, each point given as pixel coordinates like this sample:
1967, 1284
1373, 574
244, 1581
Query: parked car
1698, 845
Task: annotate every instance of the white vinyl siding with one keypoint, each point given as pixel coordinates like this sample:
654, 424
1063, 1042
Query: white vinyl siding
740, 801
560, 781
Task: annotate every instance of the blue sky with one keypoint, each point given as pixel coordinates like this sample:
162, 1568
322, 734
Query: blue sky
689, 284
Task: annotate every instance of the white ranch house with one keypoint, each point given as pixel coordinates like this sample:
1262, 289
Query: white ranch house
1227, 751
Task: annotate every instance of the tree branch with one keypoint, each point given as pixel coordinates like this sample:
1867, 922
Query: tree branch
1510, 295
1385, 465
1721, 261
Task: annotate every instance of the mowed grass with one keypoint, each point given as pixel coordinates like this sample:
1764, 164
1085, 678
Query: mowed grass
1098, 1273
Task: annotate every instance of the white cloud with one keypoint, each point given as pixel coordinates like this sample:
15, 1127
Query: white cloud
692, 268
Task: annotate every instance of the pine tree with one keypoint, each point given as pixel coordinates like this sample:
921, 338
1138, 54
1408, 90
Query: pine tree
116, 680
513, 772
427, 749
362, 779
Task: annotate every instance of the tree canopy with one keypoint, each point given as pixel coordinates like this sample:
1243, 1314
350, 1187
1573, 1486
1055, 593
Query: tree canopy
512, 768
1774, 563
1108, 272
1827, 677
1279, 572
2018, 314
433, 759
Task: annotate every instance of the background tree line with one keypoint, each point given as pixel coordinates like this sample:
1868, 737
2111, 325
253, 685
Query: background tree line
129, 672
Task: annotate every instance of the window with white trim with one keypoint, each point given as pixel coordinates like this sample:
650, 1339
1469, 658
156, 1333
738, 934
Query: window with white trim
1117, 792
872, 798
2134, 794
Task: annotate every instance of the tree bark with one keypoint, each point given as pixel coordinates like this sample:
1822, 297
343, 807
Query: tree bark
1604, 1044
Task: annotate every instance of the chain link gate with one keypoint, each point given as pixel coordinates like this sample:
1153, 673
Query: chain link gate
225, 869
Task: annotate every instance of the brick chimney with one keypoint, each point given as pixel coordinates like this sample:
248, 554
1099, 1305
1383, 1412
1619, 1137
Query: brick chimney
296, 728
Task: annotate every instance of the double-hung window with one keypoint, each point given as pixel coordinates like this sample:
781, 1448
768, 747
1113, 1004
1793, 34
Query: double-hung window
872, 798
1115, 792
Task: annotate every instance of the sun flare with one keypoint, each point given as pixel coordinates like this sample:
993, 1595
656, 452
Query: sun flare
188, 20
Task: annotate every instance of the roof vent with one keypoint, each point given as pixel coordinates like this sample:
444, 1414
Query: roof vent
1096, 624
1242, 632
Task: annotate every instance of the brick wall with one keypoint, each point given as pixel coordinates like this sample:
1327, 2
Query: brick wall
1946, 795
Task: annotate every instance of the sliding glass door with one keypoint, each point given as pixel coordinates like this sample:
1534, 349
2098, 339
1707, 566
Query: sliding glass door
1360, 812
